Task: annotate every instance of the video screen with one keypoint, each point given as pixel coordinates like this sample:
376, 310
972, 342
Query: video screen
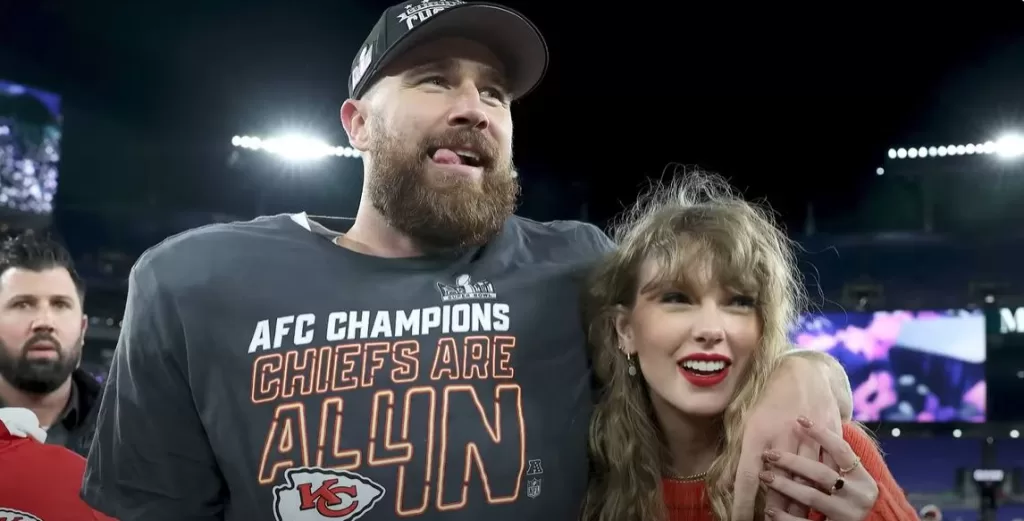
906, 366
1005, 363
30, 136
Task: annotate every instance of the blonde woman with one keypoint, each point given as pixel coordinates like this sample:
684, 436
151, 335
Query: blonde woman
688, 318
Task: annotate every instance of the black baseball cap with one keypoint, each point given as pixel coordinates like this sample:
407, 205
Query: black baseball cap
515, 40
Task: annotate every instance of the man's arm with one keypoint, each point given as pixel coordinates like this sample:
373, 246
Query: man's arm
150, 458
836, 375
808, 384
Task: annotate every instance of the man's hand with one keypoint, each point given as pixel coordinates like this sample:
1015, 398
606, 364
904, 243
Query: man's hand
802, 385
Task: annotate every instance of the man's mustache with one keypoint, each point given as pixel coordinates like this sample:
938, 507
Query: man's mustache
42, 338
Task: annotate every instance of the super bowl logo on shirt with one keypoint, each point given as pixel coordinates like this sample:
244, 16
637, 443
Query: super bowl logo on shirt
465, 289
416, 14
424, 400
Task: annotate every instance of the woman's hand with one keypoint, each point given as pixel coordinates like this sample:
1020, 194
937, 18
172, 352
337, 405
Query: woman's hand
847, 495
802, 385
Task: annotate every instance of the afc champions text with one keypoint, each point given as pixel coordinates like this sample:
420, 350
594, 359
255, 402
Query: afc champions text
430, 392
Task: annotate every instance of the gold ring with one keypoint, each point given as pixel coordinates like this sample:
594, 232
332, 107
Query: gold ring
838, 485
851, 468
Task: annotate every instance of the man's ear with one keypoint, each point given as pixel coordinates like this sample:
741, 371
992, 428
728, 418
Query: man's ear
624, 330
353, 118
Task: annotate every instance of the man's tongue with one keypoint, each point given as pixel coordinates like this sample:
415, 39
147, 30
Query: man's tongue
445, 156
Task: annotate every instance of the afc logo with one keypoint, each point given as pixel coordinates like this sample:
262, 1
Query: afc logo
534, 468
7, 514
312, 494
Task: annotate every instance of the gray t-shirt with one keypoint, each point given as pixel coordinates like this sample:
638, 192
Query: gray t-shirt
265, 374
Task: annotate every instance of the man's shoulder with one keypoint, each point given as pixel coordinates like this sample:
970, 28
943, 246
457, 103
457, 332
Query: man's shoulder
580, 237
58, 459
198, 246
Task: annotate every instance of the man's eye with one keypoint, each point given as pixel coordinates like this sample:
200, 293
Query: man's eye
434, 80
495, 93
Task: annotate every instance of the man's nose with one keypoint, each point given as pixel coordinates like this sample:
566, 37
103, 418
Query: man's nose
469, 110
43, 321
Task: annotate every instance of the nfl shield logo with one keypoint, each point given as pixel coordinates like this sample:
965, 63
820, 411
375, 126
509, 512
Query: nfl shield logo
533, 488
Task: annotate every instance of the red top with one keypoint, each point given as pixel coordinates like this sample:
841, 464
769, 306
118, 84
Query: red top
40, 482
686, 501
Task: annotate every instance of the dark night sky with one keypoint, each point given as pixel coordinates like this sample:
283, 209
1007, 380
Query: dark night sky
793, 101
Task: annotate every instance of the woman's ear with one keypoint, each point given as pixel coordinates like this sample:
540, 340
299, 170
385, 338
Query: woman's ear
624, 330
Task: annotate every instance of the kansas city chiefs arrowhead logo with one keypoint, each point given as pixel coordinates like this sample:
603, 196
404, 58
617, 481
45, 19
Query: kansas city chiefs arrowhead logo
312, 494
16, 515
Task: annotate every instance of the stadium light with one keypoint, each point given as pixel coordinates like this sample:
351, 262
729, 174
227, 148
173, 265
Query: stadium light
1010, 146
294, 147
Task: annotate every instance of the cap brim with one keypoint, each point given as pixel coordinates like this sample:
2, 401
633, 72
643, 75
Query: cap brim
513, 38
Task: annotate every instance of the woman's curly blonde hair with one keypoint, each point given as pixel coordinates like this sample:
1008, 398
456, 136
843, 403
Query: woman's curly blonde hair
696, 222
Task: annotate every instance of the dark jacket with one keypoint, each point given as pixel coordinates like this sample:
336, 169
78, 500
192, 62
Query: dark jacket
80, 420
77, 422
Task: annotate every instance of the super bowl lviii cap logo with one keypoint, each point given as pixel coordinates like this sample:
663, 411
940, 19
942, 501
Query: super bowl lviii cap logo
416, 14
7, 514
312, 494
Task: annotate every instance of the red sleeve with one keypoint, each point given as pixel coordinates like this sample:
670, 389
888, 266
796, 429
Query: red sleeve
892, 504
45, 483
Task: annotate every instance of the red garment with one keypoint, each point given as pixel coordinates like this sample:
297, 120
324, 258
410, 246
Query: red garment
686, 501
40, 482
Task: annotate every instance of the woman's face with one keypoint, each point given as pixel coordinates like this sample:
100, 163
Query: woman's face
692, 343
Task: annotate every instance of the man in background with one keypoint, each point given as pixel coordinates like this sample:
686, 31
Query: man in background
42, 328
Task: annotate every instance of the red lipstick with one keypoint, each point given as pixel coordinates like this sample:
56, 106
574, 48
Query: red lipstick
705, 369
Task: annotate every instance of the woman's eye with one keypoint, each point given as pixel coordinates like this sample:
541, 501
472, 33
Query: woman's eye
744, 301
674, 297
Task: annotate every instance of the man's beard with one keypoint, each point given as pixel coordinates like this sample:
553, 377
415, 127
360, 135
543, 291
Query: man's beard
39, 376
440, 215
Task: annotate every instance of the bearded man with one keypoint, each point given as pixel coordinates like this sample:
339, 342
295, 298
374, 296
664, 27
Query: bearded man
42, 328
